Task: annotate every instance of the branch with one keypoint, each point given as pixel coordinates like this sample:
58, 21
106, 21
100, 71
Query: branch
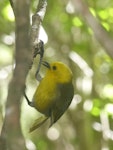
37, 19
100, 33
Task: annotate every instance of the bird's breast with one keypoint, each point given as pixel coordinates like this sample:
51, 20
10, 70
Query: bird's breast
45, 96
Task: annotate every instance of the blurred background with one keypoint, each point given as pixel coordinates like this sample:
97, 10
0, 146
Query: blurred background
88, 123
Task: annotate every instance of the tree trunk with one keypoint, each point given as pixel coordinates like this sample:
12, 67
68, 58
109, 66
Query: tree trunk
11, 136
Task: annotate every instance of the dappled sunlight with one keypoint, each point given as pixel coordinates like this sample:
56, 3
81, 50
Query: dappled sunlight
70, 8
5, 55
76, 100
81, 63
3, 74
107, 91
53, 134
97, 126
83, 83
8, 13
77, 22
9, 39
88, 105
106, 131
109, 108
5, 71
30, 145
43, 35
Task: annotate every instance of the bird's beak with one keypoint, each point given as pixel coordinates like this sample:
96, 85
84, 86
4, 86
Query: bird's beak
46, 64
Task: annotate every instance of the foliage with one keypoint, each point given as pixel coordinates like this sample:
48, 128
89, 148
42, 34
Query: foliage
88, 123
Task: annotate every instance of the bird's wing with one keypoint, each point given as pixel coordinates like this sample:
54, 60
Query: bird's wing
62, 102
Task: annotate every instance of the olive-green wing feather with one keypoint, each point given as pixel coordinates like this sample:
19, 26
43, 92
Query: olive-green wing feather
62, 102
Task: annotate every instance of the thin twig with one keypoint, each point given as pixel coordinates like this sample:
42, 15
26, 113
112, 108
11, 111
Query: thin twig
37, 19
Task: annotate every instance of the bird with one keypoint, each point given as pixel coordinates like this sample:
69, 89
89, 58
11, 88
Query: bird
53, 94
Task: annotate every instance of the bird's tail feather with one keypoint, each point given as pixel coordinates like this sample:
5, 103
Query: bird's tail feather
38, 123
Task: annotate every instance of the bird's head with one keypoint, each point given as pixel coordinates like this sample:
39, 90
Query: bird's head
58, 71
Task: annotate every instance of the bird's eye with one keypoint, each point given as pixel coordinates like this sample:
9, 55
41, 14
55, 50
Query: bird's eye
54, 67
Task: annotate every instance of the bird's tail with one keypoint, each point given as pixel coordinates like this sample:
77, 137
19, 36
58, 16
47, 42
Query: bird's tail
38, 123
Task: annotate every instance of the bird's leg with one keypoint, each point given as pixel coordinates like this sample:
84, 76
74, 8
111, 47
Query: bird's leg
39, 49
28, 101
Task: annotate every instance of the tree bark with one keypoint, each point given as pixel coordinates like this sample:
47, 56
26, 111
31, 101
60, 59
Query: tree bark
11, 136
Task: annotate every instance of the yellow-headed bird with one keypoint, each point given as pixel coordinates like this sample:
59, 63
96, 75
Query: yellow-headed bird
54, 93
